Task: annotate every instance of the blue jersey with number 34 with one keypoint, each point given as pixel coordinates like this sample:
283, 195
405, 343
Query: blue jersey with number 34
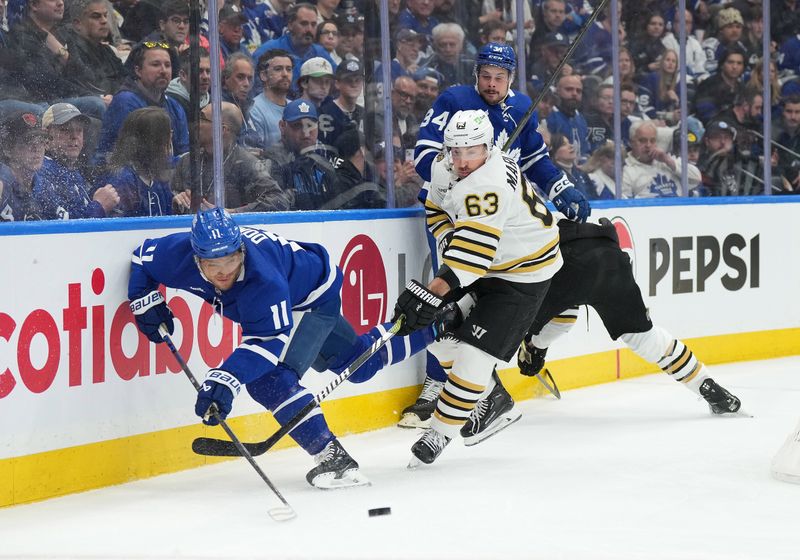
279, 276
529, 149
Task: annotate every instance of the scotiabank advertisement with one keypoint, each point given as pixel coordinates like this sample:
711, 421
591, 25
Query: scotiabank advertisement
74, 369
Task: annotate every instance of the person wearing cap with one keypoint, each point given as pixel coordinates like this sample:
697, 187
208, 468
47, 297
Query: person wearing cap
344, 112
231, 30
448, 55
37, 58
351, 189
429, 85
729, 26
718, 162
295, 162
22, 143
275, 71
718, 91
301, 23
61, 188
91, 59
694, 136
553, 47
150, 72
409, 46
316, 78
351, 36
649, 171
247, 185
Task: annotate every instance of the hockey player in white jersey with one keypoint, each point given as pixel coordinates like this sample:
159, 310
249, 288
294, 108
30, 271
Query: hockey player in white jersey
500, 244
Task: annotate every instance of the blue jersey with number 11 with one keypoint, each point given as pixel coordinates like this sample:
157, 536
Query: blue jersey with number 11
529, 149
278, 276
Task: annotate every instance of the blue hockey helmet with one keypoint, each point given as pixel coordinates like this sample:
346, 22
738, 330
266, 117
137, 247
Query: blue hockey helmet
497, 54
215, 234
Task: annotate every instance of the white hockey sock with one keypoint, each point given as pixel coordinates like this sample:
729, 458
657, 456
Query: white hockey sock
670, 354
558, 326
466, 383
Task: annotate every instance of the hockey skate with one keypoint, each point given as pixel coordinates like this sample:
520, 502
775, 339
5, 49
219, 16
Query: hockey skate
418, 415
719, 400
491, 414
427, 448
335, 469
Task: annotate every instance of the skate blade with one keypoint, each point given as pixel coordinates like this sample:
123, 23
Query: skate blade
414, 463
741, 413
784, 477
349, 479
501, 424
282, 513
411, 420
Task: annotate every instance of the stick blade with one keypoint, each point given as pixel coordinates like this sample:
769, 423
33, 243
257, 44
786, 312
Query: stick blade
222, 448
282, 513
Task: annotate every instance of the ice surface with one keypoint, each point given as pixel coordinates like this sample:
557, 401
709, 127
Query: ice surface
636, 469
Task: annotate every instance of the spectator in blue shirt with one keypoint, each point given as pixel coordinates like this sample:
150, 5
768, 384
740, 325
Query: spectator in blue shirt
417, 17
150, 65
275, 70
61, 189
565, 117
301, 23
231, 31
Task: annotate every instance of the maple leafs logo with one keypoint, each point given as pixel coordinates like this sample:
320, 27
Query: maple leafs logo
501, 140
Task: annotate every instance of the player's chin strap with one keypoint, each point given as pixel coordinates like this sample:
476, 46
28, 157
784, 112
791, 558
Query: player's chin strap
220, 447
279, 513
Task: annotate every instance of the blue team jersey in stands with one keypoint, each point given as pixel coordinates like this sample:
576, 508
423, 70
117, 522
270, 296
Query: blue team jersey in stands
528, 149
279, 276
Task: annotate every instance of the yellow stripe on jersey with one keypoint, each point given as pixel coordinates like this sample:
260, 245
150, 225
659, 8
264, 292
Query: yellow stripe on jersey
446, 365
530, 263
480, 228
436, 219
472, 246
455, 402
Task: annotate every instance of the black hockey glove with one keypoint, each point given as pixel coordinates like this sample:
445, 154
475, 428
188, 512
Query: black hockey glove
150, 311
447, 320
530, 359
418, 306
217, 390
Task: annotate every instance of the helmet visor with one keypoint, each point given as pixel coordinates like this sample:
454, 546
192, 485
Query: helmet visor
468, 153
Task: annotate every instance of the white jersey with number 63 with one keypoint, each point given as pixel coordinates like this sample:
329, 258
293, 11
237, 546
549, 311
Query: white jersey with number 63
500, 228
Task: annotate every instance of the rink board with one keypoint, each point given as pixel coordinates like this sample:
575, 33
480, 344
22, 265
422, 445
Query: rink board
85, 402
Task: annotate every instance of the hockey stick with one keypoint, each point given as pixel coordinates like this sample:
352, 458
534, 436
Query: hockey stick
279, 513
589, 22
220, 447
549, 383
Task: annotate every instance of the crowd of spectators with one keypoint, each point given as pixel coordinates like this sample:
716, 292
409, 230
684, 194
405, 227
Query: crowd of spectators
95, 109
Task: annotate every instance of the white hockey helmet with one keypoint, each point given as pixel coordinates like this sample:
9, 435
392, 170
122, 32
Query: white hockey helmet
469, 128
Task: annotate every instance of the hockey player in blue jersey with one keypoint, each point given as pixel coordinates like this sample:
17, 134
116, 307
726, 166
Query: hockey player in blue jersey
494, 72
285, 296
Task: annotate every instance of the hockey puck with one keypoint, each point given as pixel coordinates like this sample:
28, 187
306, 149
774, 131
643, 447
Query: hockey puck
375, 512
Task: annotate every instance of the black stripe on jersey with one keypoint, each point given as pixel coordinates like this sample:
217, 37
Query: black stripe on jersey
478, 231
466, 389
473, 252
549, 256
450, 257
492, 246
